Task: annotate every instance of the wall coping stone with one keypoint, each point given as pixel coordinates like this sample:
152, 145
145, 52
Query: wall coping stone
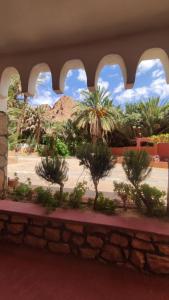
147, 225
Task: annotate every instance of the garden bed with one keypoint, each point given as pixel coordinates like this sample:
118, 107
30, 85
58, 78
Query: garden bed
141, 243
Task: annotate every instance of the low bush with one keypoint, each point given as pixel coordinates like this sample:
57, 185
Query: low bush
76, 197
105, 205
155, 197
46, 198
61, 148
124, 191
160, 138
22, 192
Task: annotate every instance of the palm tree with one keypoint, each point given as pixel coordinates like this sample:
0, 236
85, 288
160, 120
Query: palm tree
151, 116
32, 123
96, 113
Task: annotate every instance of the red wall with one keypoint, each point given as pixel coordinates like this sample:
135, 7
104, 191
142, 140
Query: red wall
120, 150
163, 150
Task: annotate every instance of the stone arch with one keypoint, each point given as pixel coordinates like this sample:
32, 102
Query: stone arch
69, 65
5, 80
111, 59
157, 53
36, 70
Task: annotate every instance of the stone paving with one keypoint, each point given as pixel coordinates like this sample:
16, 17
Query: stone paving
25, 167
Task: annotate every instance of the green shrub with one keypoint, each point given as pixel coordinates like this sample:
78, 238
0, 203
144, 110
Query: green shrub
76, 197
124, 191
22, 192
105, 205
98, 159
160, 138
61, 148
136, 165
54, 170
156, 199
46, 198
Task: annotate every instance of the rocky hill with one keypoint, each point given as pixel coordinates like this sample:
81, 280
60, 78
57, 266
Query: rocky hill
61, 111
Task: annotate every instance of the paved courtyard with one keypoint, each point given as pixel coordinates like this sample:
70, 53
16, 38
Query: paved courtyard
25, 167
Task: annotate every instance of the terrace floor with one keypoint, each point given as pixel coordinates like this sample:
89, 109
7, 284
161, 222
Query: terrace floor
31, 274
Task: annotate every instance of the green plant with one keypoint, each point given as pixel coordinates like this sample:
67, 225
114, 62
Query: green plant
22, 191
160, 138
124, 191
98, 159
105, 205
46, 198
75, 198
156, 199
96, 113
136, 166
54, 170
61, 148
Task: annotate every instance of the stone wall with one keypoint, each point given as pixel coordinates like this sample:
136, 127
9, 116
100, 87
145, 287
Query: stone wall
3, 152
143, 251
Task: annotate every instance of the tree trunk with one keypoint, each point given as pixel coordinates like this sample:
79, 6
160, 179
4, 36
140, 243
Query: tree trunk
61, 191
96, 194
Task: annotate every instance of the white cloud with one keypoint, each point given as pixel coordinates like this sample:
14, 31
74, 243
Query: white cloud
147, 65
69, 73
119, 88
82, 75
47, 97
157, 73
66, 87
103, 84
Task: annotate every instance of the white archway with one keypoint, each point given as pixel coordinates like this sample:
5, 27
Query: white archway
157, 53
69, 65
36, 70
111, 59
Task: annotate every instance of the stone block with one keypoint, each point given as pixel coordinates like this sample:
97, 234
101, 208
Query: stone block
52, 234
98, 229
88, 253
15, 228
66, 236
143, 236
158, 264
164, 249
112, 253
2, 225
61, 248
4, 217
16, 239
142, 245
119, 240
34, 241
77, 228
19, 219
78, 240
137, 258
3, 145
160, 238
3, 123
35, 230
94, 241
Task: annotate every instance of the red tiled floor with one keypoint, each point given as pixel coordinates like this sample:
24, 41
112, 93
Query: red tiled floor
30, 274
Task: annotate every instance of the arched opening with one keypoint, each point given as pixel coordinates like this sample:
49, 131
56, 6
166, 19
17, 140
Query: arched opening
75, 83
111, 79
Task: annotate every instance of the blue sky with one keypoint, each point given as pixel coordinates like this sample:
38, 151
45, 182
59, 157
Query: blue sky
150, 81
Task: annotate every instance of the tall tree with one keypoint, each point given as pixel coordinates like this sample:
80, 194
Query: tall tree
96, 113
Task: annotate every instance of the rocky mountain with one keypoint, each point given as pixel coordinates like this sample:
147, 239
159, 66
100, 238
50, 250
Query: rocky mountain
61, 111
